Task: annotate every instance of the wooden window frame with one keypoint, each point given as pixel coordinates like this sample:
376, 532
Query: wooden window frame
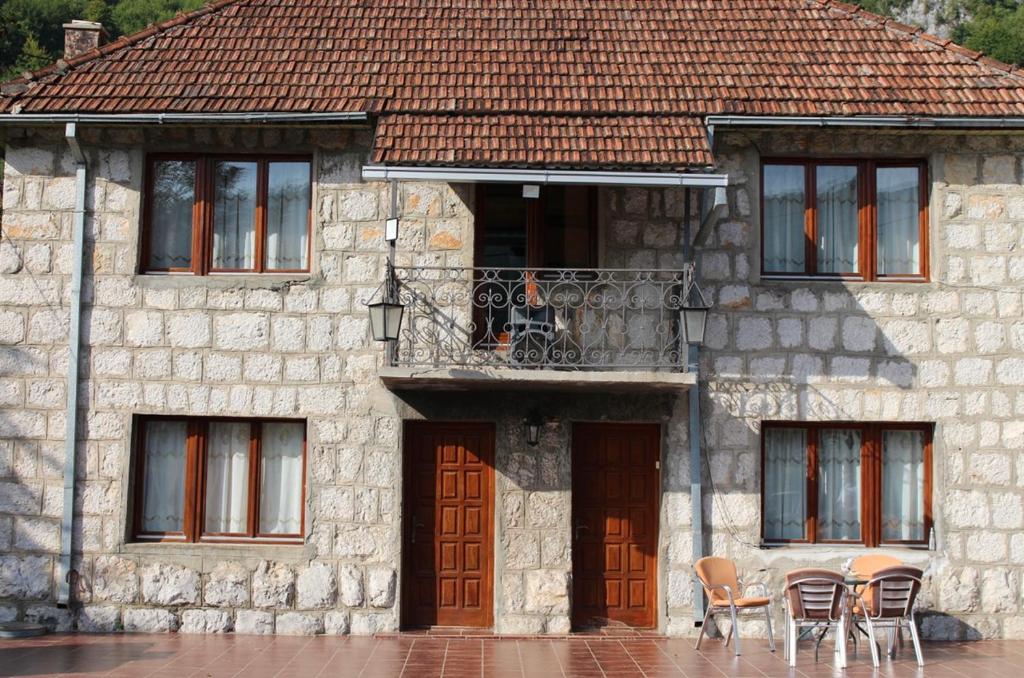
194, 519
867, 219
202, 211
871, 481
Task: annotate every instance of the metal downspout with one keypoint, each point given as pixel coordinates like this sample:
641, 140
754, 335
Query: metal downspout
696, 486
65, 573
693, 400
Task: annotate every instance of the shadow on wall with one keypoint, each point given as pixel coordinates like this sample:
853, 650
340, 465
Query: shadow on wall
824, 351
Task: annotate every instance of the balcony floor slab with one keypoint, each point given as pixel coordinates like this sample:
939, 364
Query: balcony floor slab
503, 378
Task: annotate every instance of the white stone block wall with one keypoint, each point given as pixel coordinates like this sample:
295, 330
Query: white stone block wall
285, 346
947, 351
296, 346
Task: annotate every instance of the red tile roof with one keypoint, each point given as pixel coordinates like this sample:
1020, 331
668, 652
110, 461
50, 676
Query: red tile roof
518, 140
578, 59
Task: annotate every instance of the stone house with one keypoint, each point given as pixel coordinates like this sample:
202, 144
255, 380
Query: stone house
196, 217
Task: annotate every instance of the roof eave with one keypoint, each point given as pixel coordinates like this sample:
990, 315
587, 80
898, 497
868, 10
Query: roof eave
354, 117
962, 122
542, 176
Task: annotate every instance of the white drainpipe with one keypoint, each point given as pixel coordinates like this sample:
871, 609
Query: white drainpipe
65, 573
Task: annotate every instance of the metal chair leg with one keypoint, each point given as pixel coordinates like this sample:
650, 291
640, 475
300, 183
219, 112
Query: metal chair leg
841, 641
703, 627
768, 623
871, 641
785, 638
916, 640
792, 638
735, 629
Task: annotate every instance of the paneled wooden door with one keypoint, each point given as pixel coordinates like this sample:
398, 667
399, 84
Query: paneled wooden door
615, 498
448, 549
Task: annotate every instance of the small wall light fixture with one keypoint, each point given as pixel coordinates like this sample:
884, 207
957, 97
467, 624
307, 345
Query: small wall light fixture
386, 314
533, 426
385, 320
695, 315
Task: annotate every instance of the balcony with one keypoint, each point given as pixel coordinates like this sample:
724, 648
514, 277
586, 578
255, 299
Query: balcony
520, 327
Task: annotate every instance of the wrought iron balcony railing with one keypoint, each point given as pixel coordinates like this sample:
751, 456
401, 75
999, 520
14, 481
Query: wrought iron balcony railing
576, 319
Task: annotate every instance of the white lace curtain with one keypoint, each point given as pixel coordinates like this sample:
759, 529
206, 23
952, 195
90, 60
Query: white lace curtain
838, 228
784, 238
288, 215
785, 483
170, 238
227, 477
234, 215
903, 485
899, 233
839, 487
281, 478
164, 492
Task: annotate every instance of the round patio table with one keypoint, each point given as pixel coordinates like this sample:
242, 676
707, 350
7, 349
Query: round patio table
851, 581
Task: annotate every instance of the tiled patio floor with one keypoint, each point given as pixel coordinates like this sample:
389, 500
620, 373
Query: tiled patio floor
180, 656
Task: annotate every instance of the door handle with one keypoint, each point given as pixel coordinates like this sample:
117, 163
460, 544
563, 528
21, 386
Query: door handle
415, 525
577, 530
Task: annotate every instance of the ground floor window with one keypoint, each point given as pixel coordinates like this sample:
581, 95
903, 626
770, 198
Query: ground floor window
846, 483
219, 479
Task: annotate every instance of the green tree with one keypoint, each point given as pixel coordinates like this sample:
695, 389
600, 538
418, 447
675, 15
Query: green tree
997, 32
32, 33
36, 26
129, 16
33, 56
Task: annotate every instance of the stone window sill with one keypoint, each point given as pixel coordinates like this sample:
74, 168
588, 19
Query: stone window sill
841, 283
285, 553
165, 281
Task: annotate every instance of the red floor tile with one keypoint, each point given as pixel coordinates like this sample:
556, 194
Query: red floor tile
439, 655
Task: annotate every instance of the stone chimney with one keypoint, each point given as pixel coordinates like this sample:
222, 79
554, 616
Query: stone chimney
81, 36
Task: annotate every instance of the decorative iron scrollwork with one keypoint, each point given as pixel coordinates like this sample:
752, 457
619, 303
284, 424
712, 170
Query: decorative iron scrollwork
576, 319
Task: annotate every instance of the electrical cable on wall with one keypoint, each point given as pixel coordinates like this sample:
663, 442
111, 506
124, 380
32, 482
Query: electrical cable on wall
726, 519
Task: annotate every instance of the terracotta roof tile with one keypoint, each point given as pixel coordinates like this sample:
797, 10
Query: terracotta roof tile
631, 142
671, 60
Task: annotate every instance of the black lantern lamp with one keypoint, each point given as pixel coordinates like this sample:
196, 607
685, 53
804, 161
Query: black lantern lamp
386, 314
534, 422
532, 433
695, 315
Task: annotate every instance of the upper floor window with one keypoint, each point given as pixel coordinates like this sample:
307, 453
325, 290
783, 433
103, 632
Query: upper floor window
862, 220
227, 214
860, 483
219, 479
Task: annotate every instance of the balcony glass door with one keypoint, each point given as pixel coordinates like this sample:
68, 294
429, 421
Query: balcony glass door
518, 235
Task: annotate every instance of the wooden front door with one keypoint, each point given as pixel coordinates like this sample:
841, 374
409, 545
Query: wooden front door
615, 493
448, 550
